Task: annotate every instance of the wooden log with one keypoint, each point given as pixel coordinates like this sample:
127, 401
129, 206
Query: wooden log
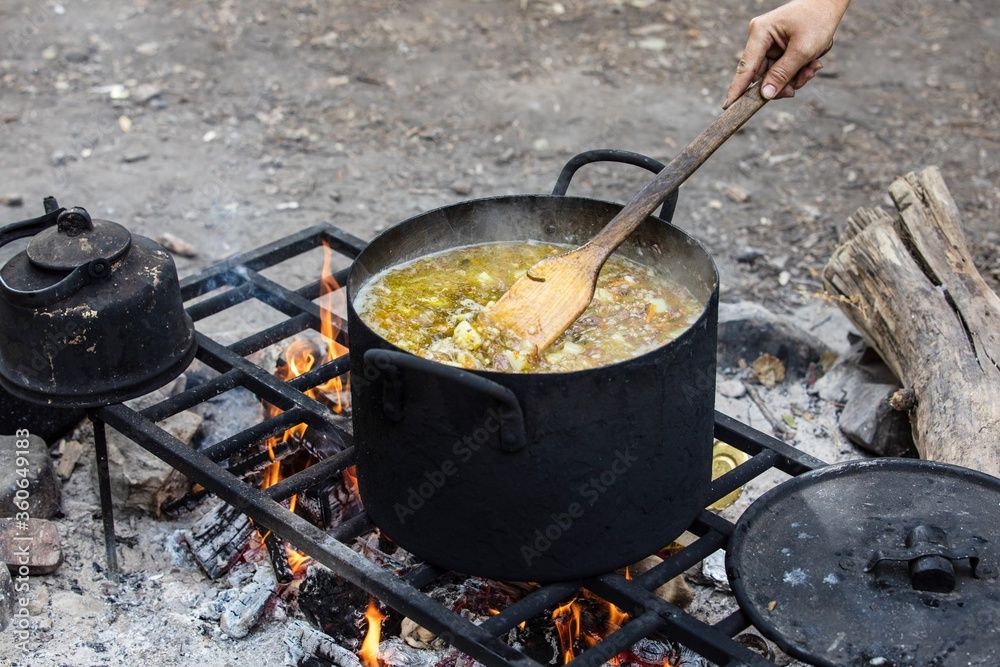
907, 281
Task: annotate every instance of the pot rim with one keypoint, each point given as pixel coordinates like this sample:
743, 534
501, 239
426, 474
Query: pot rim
352, 288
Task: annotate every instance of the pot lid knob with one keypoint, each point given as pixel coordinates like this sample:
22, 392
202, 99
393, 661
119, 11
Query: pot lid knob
77, 239
930, 558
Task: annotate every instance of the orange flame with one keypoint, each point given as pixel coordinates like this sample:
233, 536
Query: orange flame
616, 617
300, 357
297, 560
351, 479
369, 647
332, 303
567, 620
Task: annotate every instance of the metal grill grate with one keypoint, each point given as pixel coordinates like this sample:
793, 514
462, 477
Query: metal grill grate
244, 281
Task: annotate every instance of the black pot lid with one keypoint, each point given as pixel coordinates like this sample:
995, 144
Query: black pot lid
822, 565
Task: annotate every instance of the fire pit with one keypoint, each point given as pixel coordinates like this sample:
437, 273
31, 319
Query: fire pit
241, 279
589, 617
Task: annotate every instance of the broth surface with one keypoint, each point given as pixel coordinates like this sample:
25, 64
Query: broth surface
429, 307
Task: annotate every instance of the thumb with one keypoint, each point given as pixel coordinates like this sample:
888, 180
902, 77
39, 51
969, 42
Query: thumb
782, 72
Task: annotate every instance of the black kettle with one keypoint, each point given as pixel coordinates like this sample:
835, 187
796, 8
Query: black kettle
90, 314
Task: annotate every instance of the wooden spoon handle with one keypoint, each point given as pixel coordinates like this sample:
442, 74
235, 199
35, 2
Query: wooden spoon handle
675, 173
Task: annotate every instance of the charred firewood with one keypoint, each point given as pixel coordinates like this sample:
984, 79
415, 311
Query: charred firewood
256, 463
279, 558
218, 538
243, 607
338, 608
310, 648
330, 504
186, 503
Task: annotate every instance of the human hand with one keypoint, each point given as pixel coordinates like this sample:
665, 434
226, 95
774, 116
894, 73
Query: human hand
784, 47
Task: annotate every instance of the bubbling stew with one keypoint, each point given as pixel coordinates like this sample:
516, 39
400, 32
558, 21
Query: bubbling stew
430, 306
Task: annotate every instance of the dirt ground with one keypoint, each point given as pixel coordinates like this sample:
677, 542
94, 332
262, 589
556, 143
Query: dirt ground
231, 124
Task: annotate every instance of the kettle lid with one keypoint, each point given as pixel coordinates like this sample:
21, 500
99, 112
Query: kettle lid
77, 239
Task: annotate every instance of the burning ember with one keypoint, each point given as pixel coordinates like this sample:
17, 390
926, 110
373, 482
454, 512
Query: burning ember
585, 620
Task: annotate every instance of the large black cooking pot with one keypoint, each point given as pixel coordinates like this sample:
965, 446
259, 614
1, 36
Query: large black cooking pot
535, 477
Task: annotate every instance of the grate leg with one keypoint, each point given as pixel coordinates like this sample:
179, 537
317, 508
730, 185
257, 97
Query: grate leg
107, 504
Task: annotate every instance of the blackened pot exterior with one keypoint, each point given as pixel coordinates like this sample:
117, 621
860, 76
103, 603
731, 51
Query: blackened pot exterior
612, 463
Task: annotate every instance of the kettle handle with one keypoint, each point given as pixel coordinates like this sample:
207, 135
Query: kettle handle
78, 278
18, 230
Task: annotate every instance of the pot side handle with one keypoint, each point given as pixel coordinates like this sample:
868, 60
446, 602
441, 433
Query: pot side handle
390, 363
615, 155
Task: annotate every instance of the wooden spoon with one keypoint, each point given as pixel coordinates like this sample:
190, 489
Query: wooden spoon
544, 302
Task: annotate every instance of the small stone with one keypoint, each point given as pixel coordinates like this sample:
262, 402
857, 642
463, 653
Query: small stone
125, 124
31, 543
749, 255
148, 49
871, 422
287, 206
119, 92
33, 463
61, 159
736, 193
714, 204
50, 53
329, 40
209, 136
11, 200
77, 56
176, 245
506, 157
714, 569
130, 158
731, 388
69, 455
649, 29
784, 278
145, 92
653, 44
540, 144
461, 187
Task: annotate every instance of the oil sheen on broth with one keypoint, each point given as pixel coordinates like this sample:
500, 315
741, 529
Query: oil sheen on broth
429, 307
